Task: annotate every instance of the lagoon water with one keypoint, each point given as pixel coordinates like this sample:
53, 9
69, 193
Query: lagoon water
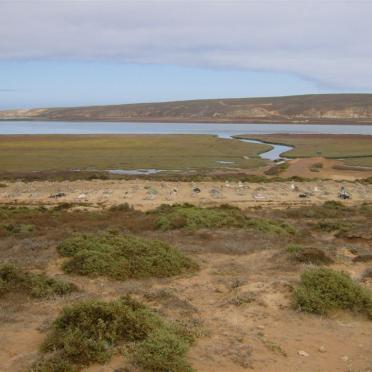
221, 130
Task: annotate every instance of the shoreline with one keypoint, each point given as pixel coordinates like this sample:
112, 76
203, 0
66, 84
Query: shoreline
204, 121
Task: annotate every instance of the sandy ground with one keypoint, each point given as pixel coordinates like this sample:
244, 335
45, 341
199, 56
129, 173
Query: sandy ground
145, 195
302, 167
264, 334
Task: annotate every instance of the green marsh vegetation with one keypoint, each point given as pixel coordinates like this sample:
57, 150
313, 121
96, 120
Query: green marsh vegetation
354, 149
102, 152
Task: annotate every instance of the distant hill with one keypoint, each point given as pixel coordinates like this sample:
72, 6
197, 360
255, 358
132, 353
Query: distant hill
318, 108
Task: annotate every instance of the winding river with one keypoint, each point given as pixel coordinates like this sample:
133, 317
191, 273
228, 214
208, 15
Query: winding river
220, 130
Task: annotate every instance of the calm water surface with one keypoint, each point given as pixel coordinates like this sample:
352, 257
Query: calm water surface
222, 130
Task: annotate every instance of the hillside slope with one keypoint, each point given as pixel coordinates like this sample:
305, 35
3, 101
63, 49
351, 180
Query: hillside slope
325, 108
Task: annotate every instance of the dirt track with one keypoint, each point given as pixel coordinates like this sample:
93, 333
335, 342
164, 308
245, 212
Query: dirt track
145, 195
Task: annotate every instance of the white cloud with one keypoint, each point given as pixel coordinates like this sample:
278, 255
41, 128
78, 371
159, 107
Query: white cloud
328, 41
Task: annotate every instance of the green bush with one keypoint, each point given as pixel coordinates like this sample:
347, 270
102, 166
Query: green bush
122, 256
90, 331
293, 249
191, 217
13, 279
53, 363
162, 351
322, 290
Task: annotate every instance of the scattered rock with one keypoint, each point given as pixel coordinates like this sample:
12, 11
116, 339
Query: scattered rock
322, 349
303, 353
215, 193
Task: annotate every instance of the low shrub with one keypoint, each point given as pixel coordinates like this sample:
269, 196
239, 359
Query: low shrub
189, 216
312, 255
122, 256
13, 279
11, 228
293, 249
322, 290
330, 209
308, 255
90, 332
330, 226
163, 351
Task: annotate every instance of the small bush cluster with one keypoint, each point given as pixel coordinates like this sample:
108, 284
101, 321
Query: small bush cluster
192, 217
323, 290
309, 255
330, 226
11, 228
293, 249
122, 256
330, 209
91, 331
13, 279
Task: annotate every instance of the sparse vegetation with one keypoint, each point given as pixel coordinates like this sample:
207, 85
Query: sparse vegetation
122, 256
191, 217
91, 331
330, 209
316, 167
293, 249
323, 290
14, 279
17, 228
273, 346
277, 169
309, 255
247, 268
330, 226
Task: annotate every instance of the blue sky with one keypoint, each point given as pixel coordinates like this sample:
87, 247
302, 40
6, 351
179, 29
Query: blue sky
85, 52
40, 84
